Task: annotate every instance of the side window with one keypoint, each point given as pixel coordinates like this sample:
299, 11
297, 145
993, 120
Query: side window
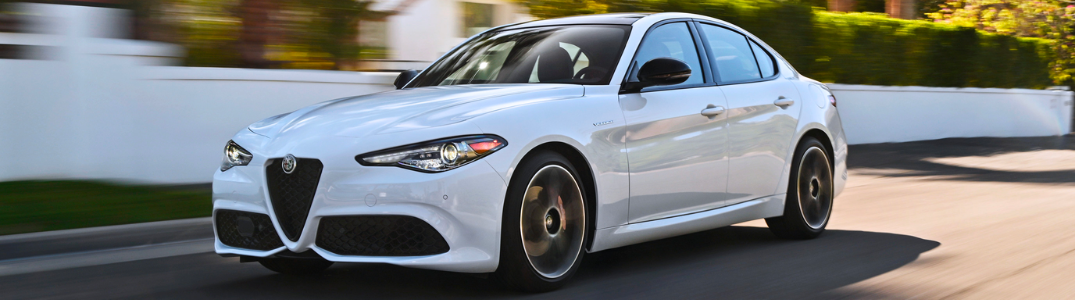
765, 60
732, 57
672, 40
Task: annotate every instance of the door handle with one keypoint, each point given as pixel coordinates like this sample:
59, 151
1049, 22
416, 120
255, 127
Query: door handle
783, 102
712, 111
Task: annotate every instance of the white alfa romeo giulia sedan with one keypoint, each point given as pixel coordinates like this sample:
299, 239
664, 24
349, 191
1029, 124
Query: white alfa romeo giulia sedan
531, 144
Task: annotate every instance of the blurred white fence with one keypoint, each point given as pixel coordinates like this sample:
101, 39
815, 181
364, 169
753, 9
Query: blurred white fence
885, 114
82, 105
117, 120
112, 119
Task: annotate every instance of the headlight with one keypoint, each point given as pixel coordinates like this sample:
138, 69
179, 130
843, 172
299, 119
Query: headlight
436, 156
234, 155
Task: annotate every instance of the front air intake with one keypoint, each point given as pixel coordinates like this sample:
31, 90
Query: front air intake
379, 236
246, 230
292, 193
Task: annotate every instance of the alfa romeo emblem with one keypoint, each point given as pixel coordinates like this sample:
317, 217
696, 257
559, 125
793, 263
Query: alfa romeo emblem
289, 164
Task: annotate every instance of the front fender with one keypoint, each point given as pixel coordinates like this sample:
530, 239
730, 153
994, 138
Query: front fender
593, 125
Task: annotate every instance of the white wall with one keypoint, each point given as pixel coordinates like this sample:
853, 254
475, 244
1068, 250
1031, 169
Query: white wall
146, 124
150, 124
882, 114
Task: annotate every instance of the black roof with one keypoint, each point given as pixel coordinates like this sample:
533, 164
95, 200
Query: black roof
614, 19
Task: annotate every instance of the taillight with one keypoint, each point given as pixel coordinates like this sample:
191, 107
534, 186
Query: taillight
832, 100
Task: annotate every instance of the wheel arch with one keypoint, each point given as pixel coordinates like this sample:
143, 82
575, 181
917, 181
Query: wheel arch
824, 138
813, 130
589, 186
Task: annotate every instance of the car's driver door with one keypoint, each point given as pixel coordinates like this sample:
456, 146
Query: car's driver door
677, 155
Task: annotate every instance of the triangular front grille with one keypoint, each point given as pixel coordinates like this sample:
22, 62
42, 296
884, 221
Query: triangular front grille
292, 194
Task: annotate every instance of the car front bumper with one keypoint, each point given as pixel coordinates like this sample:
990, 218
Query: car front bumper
463, 205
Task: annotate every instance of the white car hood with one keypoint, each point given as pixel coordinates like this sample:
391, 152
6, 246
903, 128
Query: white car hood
402, 110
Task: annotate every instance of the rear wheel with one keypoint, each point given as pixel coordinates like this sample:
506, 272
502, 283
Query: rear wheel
295, 266
808, 204
544, 225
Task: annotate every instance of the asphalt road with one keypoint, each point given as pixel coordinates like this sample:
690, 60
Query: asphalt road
956, 218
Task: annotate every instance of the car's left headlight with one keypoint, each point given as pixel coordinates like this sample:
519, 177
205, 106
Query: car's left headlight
235, 155
436, 156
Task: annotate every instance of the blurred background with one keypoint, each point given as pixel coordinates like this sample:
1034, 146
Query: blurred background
117, 111
146, 92
884, 42
295, 34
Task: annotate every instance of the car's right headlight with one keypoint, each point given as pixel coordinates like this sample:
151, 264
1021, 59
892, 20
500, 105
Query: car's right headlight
235, 155
436, 156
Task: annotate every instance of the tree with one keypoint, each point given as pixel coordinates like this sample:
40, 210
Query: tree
560, 8
261, 33
258, 28
335, 27
1051, 19
1020, 18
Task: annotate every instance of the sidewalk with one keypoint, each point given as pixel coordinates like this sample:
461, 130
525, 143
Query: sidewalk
101, 238
54, 250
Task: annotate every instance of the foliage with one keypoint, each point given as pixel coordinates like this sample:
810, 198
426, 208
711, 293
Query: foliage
874, 49
31, 206
869, 48
334, 27
1022, 18
924, 7
307, 34
207, 28
877, 6
1051, 19
558, 8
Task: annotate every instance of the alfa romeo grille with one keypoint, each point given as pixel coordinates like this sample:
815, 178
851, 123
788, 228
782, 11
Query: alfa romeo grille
246, 230
379, 236
292, 194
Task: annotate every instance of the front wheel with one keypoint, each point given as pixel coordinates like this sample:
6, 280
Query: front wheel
808, 204
544, 225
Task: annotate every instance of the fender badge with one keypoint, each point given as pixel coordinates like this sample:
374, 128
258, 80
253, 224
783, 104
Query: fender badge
602, 123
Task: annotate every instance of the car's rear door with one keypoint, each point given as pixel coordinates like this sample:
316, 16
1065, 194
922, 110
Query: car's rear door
763, 111
677, 156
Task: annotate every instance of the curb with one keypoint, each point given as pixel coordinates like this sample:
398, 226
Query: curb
103, 257
60, 234
85, 246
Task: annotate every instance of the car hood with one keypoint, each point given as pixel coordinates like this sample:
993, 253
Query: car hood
410, 109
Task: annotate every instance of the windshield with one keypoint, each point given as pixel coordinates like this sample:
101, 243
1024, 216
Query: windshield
579, 54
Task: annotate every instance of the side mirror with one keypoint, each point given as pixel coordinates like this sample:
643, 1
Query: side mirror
660, 71
404, 77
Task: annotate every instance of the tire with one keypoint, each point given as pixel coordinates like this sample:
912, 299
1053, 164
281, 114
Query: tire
542, 236
295, 266
808, 204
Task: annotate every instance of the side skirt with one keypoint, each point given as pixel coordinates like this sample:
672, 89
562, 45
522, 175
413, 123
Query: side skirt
629, 234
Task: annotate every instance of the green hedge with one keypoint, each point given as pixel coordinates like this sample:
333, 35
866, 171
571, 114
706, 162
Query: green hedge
867, 48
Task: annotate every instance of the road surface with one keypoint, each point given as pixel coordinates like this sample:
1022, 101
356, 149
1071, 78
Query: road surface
955, 218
